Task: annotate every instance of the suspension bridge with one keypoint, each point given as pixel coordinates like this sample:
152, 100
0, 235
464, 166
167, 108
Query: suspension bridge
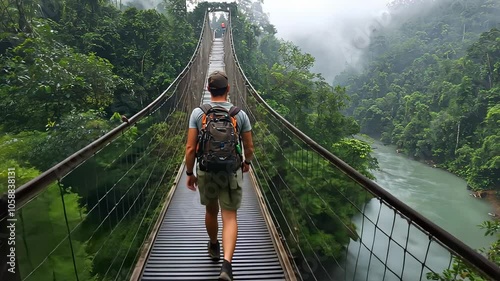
125, 194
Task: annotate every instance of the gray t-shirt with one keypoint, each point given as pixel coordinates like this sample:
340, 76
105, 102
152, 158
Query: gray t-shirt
242, 120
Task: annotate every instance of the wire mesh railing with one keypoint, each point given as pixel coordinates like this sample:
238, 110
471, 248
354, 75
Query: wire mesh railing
87, 217
336, 223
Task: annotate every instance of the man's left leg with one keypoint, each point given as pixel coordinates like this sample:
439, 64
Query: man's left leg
208, 196
211, 223
229, 233
212, 226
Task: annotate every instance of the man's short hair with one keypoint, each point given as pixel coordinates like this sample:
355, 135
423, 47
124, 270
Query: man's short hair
217, 83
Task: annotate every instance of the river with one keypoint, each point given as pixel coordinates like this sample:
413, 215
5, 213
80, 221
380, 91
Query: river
436, 194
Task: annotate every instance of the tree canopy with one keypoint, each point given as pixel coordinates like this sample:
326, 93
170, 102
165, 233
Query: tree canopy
433, 89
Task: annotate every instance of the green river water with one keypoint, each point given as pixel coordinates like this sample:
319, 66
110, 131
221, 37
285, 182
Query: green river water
436, 194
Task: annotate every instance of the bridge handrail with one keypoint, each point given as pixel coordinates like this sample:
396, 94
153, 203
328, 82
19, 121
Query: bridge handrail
31, 189
454, 245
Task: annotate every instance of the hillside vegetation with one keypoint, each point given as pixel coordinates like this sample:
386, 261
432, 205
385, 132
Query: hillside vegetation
431, 86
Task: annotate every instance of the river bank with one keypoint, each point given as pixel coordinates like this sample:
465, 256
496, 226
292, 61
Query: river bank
494, 201
490, 196
486, 195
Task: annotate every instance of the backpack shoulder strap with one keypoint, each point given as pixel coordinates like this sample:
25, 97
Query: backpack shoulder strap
234, 110
205, 107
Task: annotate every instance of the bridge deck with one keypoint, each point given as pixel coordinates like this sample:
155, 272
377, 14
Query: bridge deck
179, 250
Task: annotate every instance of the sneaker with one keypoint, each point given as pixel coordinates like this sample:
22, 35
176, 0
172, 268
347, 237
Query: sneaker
214, 250
226, 272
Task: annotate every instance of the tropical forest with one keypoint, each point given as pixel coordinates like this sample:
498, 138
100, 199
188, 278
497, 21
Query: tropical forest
427, 85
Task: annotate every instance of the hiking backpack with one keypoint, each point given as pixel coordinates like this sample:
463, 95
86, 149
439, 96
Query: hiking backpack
219, 143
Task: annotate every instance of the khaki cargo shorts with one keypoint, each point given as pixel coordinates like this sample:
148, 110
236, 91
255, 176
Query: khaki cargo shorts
222, 186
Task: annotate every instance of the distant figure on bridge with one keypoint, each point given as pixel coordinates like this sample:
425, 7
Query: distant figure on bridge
220, 165
223, 28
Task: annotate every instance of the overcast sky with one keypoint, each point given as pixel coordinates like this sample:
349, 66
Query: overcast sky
335, 32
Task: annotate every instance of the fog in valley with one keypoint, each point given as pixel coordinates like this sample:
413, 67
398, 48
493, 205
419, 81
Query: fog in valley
336, 33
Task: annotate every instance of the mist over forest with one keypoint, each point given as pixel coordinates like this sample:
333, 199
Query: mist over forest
336, 33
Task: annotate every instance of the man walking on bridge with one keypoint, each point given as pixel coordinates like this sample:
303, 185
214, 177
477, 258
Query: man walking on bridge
223, 28
219, 180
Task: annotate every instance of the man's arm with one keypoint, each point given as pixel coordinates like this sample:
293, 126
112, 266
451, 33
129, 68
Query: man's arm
192, 139
248, 145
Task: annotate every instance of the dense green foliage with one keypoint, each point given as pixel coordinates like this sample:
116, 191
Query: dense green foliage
68, 71
432, 86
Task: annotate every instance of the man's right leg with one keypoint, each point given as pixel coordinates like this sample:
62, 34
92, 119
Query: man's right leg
211, 223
